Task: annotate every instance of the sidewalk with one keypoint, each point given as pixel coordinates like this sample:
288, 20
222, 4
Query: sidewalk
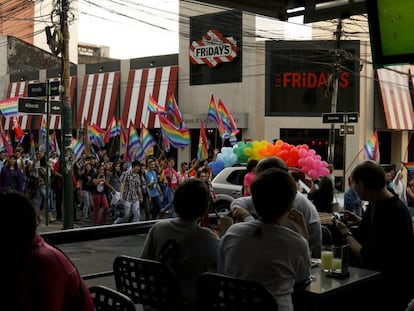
58, 225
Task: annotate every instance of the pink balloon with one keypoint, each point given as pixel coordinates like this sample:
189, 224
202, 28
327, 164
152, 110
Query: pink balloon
313, 174
323, 171
303, 153
317, 164
309, 161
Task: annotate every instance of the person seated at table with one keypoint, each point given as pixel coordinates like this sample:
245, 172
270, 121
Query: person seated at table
36, 275
384, 239
240, 205
323, 196
352, 201
264, 250
181, 243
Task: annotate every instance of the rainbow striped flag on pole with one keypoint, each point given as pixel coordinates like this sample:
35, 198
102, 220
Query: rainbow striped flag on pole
409, 166
214, 116
202, 152
371, 148
177, 137
10, 106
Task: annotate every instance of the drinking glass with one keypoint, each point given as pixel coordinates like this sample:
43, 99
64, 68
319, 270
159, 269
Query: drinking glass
327, 258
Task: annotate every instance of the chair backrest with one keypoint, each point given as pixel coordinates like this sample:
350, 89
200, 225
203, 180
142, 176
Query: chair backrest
225, 293
107, 299
147, 282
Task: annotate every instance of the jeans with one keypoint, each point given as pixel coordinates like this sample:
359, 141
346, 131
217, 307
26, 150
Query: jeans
129, 207
42, 192
155, 207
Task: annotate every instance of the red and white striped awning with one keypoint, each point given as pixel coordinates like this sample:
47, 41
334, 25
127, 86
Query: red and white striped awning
27, 121
158, 82
99, 98
395, 94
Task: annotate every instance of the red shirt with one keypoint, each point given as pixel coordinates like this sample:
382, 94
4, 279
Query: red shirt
50, 282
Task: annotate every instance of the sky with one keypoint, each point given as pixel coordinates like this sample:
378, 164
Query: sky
150, 27
130, 29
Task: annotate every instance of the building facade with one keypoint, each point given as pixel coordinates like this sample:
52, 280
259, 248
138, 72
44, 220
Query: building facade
275, 88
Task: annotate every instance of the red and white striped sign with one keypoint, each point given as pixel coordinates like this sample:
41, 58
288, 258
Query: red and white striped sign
396, 97
99, 98
158, 82
214, 48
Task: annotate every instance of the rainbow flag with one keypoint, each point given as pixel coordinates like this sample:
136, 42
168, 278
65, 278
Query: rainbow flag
371, 148
228, 122
111, 131
408, 165
124, 138
53, 143
78, 147
147, 141
154, 107
213, 115
202, 152
10, 106
96, 135
6, 144
177, 137
174, 112
134, 148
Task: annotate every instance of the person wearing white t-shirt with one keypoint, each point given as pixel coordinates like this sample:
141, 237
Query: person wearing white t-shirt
264, 250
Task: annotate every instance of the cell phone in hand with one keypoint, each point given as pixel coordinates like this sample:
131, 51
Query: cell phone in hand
338, 216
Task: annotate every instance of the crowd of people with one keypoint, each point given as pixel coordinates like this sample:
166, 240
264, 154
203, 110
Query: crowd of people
107, 189
271, 237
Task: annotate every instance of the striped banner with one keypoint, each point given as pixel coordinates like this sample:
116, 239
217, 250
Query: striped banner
396, 97
98, 99
157, 82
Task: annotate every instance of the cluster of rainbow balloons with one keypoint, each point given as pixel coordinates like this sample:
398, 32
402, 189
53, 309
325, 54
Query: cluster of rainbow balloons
300, 156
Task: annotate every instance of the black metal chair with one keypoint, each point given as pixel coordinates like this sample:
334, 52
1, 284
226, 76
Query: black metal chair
107, 299
220, 292
147, 282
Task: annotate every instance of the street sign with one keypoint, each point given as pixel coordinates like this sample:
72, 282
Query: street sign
333, 117
54, 88
55, 107
31, 105
352, 117
339, 117
350, 130
39, 89
38, 106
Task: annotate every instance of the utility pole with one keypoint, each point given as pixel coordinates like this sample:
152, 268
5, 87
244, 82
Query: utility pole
335, 81
67, 162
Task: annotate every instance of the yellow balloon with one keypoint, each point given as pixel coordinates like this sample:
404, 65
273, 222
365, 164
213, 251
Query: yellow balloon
248, 151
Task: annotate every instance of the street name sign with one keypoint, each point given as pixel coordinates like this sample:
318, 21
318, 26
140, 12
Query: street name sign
31, 105
38, 106
39, 89
333, 117
340, 117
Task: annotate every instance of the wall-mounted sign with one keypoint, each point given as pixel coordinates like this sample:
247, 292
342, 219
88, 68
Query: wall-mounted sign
212, 49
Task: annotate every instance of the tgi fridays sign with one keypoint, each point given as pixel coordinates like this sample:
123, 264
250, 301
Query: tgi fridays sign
214, 48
